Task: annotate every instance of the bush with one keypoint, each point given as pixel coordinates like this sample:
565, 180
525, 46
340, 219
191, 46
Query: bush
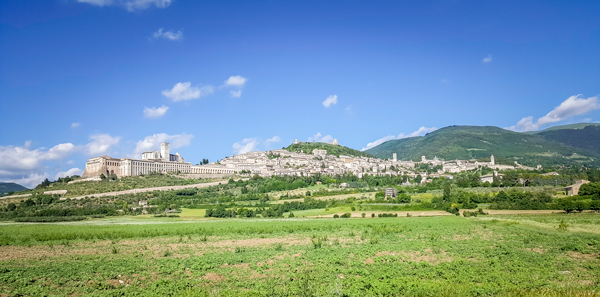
336, 216
372, 215
363, 214
346, 215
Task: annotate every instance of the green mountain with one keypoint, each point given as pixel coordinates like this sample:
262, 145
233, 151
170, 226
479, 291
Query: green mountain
476, 142
587, 138
563, 127
332, 149
10, 187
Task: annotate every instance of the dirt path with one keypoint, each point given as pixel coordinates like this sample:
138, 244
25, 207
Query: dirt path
358, 214
514, 212
165, 188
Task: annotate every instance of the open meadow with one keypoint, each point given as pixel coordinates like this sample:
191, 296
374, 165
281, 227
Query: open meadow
492, 255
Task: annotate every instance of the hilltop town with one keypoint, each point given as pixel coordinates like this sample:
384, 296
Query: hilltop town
283, 162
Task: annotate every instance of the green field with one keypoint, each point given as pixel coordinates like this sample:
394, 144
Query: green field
506, 255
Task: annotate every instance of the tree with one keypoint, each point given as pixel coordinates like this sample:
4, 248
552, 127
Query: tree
11, 207
418, 179
591, 189
566, 205
102, 176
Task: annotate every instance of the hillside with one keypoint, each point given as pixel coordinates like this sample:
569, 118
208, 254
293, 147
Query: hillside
10, 187
564, 127
474, 142
308, 147
587, 138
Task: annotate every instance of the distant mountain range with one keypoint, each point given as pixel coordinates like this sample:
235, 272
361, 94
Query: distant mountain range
569, 145
10, 187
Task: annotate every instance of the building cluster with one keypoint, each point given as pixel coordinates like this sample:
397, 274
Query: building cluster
281, 162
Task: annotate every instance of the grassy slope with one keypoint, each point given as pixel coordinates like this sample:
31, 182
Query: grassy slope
474, 142
337, 150
587, 138
563, 127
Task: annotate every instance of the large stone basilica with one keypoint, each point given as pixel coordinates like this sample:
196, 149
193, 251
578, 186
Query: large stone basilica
156, 161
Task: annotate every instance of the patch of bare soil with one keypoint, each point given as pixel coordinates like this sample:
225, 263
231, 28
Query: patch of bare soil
213, 277
417, 256
369, 261
536, 250
578, 255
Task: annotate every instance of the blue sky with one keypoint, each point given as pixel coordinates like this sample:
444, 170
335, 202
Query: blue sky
92, 77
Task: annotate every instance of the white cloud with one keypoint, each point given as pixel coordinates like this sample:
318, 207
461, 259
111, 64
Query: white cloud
29, 181
235, 94
349, 109
155, 112
330, 100
273, 139
75, 125
168, 34
19, 159
420, 132
70, 172
573, 106
184, 91
153, 142
487, 59
378, 142
320, 138
235, 81
130, 5
100, 144
246, 145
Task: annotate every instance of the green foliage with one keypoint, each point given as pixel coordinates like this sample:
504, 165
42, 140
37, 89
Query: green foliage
587, 138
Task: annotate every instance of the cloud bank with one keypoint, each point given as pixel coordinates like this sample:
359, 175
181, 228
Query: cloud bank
152, 142
245, 146
573, 106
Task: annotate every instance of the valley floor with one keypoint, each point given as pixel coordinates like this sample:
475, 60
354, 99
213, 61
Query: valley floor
499, 255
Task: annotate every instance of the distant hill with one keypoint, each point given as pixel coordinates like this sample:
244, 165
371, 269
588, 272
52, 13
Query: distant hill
476, 142
587, 138
563, 127
10, 187
308, 147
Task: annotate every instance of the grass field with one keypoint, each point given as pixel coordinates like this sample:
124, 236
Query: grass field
503, 255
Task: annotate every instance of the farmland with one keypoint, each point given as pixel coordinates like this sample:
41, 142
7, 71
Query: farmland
500, 255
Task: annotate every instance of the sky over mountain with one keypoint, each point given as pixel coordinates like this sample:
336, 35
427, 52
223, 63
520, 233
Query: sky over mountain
92, 77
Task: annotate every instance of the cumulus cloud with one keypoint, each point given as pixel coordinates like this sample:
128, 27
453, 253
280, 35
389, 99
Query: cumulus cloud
420, 132
155, 112
573, 106
152, 142
19, 159
130, 5
235, 81
28, 181
70, 172
170, 35
246, 145
487, 59
75, 125
330, 100
100, 144
320, 138
22, 165
274, 139
185, 91
235, 94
